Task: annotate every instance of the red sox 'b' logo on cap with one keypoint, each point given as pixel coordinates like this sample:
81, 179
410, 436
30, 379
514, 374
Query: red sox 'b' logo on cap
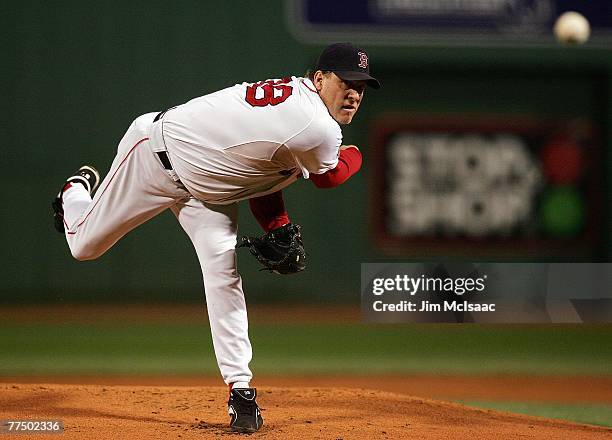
363, 60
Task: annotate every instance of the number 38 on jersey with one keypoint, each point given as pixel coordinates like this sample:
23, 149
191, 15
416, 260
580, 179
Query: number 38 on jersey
269, 92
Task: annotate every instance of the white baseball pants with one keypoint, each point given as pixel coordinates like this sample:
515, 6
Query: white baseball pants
136, 189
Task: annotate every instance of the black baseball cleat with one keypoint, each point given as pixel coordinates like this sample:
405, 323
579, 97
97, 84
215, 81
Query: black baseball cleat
87, 176
243, 410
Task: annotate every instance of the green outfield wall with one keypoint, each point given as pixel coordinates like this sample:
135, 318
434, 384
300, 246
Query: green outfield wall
78, 73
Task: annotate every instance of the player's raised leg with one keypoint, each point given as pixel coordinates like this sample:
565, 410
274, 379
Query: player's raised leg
135, 189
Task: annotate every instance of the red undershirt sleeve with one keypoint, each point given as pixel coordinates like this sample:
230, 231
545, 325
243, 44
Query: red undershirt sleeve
349, 162
270, 211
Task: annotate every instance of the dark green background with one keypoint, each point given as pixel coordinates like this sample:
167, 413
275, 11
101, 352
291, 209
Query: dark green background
79, 72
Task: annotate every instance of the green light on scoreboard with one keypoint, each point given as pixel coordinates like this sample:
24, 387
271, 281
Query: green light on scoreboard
562, 211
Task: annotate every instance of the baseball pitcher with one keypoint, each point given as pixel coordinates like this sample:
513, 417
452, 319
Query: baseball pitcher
201, 158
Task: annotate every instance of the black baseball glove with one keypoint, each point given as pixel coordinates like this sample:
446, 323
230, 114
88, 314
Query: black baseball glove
280, 251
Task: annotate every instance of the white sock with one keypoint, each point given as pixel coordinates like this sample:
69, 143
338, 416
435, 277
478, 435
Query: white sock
237, 385
76, 200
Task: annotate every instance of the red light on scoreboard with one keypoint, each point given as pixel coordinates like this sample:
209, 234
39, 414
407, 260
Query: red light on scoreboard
562, 161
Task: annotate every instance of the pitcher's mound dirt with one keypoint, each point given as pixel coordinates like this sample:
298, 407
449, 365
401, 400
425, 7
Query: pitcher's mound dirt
141, 412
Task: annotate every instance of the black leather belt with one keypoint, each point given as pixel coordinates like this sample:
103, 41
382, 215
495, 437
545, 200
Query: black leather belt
158, 116
163, 155
161, 114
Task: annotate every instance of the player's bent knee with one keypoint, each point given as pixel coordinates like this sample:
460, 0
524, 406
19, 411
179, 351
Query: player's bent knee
84, 253
83, 256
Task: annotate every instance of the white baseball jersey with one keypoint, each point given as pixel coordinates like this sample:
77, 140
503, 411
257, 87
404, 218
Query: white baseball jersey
249, 140
243, 141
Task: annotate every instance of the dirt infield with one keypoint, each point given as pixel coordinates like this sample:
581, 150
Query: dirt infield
566, 389
156, 412
298, 407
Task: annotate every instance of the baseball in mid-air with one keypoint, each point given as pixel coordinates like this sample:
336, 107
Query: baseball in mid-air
572, 28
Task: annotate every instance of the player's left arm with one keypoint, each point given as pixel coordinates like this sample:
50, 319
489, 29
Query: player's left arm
270, 211
280, 249
349, 162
